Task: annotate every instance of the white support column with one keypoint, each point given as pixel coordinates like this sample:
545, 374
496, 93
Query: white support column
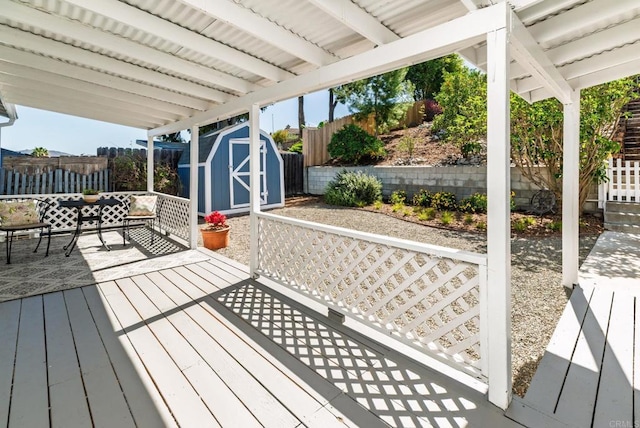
498, 218
193, 188
254, 186
150, 164
571, 191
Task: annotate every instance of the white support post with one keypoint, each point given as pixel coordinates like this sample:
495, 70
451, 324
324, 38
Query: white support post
498, 218
571, 191
193, 188
254, 186
150, 164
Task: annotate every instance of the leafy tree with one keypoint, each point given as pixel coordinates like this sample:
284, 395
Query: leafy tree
427, 77
386, 96
40, 152
537, 135
176, 137
463, 98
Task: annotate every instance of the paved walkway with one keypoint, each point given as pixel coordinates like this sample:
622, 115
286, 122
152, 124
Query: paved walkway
590, 371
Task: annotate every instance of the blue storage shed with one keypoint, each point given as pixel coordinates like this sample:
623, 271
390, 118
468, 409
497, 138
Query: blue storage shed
223, 171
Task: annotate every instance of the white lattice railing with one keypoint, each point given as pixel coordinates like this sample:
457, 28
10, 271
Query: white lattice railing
622, 183
174, 215
426, 296
173, 211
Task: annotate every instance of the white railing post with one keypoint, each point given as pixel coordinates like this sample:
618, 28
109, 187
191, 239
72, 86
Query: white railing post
498, 216
254, 186
571, 191
193, 188
150, 164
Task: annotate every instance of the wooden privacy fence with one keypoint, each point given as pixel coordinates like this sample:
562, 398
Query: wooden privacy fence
315, 141
56, 181
293, 173
165, 156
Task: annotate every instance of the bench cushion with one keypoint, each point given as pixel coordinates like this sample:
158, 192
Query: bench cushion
18, 213
142, 205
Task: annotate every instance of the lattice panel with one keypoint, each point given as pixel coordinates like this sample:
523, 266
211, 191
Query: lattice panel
175, 215
428, 301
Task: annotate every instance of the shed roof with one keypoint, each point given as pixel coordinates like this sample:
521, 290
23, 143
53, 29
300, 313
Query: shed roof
152, 63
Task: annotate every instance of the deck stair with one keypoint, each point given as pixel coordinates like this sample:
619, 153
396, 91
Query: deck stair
631, 126
622, 216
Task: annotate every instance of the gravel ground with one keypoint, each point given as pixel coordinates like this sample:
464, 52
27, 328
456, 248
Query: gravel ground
538, 297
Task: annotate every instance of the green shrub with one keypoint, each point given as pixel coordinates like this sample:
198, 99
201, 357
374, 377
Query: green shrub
443, 201
296, 147
280, 136
396, 207
522, 224
353, 189
481, 225
555, 226
476, 203
423, 216
422, 198
446, 218
353, 144
398, 197
377, 205
430, 213
406, 212
408, 144
468, 219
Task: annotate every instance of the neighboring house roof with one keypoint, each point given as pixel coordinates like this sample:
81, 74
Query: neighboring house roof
166, 145
7, 152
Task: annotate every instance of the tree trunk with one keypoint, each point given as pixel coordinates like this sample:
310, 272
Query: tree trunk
332, 105
301, 121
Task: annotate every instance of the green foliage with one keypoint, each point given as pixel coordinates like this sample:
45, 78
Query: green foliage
407, 144
406, 212
430, 213
90, 191
386, 96
353, 144
427, 77
468, 219
378, 205
353, 189
476, 203
422, 198
537, 135
129, 173
443, 201
398, 197
397, 207
296, 147
463, 98
40, 152
555, 226
523, 223
446, 217
280, 136
481, 225
175, 137
423, 216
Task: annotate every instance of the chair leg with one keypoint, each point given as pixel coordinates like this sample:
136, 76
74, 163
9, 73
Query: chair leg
8, 245
153, 230
39, 240
124, 232
48, 241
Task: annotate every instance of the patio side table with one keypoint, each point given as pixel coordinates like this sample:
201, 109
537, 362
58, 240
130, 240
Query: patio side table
82, 217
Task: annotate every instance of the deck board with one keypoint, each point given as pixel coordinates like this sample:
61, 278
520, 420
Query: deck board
69, 406
30, 400
9, 320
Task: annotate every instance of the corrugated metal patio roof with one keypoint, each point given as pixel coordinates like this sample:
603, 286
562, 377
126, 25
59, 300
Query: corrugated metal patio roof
150, 63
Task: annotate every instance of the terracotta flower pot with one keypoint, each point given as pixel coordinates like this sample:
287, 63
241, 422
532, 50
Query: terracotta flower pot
215, 239
91, 198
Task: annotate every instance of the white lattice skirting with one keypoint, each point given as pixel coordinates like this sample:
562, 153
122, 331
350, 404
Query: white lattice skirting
428, 297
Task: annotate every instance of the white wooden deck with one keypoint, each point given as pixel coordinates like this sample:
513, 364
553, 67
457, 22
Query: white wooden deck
589, 375
202, 345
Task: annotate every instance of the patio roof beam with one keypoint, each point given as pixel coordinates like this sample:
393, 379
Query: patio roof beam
89, 112
528, 53
78, 96
261, 28
36, 62
166, 30
424, 45
122, 46
15, 74
24, 40
359, 20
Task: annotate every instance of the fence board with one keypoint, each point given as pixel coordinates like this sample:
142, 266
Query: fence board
59, 181
293, 173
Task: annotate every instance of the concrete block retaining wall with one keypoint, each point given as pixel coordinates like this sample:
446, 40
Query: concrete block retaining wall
462, 181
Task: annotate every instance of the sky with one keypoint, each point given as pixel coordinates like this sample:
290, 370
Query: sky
79, 136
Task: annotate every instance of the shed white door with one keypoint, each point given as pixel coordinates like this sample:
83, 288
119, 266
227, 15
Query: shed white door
239, 172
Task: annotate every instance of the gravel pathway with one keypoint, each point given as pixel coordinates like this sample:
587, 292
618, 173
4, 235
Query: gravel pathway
538, 297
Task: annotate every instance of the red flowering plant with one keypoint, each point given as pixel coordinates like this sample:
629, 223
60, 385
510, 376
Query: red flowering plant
216, 221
